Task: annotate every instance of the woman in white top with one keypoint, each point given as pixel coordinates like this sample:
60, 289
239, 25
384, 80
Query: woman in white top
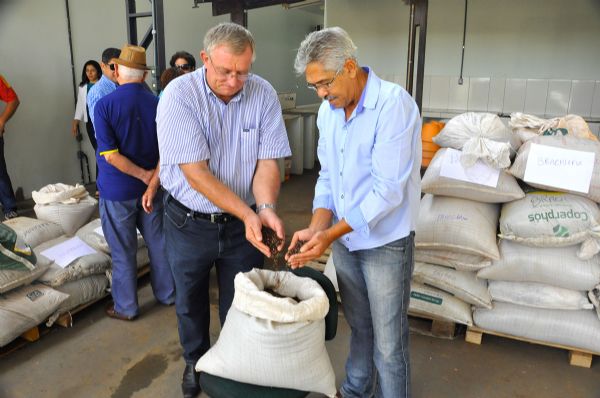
91, 74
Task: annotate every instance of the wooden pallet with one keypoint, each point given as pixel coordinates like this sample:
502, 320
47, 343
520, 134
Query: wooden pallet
319, 263
577, 356
427, 325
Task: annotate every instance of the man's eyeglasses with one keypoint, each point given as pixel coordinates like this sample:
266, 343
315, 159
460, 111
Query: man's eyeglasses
327, 85
112, 67
224, 74
185, 67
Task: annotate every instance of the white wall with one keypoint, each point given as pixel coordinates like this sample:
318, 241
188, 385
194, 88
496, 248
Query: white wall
34, 57
540, 56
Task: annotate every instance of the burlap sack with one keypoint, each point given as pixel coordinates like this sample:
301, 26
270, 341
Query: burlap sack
274, 341
538, 295
434, 303
578, 329
565, 142
462, 284
458, 225
458, 261
479, 136
550, 219
506, 190
556, 266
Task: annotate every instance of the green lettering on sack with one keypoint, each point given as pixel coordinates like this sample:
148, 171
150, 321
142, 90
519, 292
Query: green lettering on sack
427, 298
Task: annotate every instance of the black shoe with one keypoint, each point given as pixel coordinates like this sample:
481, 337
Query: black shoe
190, 385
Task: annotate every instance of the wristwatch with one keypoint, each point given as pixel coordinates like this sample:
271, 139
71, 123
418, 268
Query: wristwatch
263, 206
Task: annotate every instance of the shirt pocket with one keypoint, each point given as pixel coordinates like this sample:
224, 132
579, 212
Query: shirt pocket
249, 146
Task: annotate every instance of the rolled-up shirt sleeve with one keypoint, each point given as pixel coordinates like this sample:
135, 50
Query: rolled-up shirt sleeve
393, 159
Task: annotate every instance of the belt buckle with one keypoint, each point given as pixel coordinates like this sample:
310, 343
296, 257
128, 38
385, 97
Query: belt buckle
214, 218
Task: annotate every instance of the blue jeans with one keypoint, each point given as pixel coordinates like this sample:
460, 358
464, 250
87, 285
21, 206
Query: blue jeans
7, 195
194, 245
375, 287
119, 222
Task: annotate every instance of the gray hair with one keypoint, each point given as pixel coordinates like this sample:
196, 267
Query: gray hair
131, 73
330, 47
234, 36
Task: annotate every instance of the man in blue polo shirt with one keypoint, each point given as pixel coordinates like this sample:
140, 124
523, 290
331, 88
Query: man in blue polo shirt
129, 187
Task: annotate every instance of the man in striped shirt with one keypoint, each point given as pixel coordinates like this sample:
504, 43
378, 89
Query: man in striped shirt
220, 131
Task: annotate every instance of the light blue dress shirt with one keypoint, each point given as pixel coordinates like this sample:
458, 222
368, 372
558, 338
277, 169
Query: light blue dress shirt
104, 87
370, 165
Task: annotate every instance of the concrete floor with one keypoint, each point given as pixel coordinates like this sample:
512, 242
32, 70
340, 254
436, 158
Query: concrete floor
102, 357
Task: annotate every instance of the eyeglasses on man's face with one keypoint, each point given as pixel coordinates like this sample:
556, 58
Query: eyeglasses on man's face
326, 85
224, 74
111, 67
184, 67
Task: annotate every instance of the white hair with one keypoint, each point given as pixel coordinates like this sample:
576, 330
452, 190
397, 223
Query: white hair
330, 47
131, 73
234, 36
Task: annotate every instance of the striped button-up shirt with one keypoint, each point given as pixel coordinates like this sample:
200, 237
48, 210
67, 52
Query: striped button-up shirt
193, 125
104, 87
370, 165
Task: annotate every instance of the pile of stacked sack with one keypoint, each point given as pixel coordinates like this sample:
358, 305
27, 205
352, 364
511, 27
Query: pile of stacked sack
545, 265
458, 219
33, 287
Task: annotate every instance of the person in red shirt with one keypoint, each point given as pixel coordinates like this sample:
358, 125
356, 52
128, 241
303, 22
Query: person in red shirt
7, 195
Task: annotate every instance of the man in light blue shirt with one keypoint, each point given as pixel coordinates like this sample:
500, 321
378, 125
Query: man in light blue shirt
107, 83
220, 131
366, 204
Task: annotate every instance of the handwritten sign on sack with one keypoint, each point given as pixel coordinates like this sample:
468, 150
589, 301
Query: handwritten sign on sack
480, 173
560, 168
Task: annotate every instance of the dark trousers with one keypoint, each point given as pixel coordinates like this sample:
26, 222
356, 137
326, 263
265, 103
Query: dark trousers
7, 195
193, 246
92, 136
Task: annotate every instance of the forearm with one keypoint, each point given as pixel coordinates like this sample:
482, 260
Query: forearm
124, 165
321, 221
155, 180
202, 180
266, 182
9, 111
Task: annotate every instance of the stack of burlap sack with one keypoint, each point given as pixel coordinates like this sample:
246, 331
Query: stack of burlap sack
546, 261
41, 289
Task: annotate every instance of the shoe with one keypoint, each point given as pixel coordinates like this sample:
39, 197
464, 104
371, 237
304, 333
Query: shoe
110, 311
10, 214
190, 384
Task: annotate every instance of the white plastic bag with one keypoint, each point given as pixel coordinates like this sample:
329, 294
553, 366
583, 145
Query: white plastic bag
539, 295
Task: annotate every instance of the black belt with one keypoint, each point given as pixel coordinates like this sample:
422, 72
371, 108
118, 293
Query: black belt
216, 218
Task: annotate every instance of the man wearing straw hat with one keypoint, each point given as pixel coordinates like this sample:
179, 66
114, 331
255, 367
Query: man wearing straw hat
130, 193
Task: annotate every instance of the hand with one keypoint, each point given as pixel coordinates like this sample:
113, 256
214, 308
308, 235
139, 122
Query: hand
74, 127
148, 198
253, 226
318, 242
1, 127
269, 218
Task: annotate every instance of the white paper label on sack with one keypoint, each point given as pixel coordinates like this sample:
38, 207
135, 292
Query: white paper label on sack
66, 252
480, 173
100, 232
560, 168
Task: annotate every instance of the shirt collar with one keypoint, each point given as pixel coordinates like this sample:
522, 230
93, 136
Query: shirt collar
370, 94
106, 80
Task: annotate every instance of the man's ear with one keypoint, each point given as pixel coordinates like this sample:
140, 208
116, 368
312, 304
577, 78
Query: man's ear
204, 56
352, 67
